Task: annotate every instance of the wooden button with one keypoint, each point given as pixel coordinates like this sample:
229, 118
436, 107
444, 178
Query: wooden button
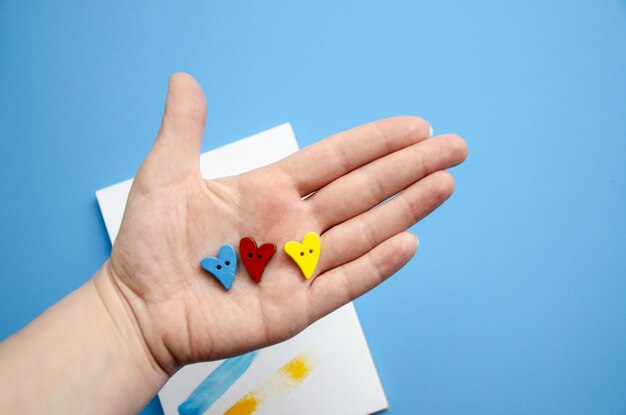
255, 258
222, 267
305, 254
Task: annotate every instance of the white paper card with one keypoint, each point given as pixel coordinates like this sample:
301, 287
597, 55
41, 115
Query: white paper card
344, 380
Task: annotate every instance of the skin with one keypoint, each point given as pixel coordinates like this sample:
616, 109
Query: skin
109, 346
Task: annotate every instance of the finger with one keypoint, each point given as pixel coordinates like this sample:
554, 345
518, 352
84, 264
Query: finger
323, 162
377, 181
353, 238
177, 145
343, 284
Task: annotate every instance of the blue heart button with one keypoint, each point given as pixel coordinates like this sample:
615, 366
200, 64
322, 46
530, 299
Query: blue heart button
223, 267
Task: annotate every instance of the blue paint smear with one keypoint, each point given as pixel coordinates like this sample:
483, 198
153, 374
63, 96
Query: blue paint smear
214, 386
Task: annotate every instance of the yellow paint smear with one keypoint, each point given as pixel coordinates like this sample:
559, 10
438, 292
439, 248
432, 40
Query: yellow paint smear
298, 369
245, 406
285, 379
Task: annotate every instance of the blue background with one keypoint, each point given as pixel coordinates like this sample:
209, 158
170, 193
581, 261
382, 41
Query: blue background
516, 302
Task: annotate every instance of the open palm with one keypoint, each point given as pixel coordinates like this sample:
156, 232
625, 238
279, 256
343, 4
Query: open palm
174, 218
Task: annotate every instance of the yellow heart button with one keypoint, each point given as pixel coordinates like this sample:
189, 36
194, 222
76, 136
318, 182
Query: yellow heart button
305, 254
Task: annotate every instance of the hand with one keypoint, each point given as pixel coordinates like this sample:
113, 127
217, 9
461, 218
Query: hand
174, 218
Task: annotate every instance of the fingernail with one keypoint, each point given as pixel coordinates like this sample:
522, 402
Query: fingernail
430, 130
416, 237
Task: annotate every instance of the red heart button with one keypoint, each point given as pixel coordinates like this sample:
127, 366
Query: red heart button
255, 258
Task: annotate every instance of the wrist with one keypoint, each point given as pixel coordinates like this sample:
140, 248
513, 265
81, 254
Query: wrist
126, 335
82, 355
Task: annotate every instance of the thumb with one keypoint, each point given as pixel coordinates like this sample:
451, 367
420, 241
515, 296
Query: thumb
176, 148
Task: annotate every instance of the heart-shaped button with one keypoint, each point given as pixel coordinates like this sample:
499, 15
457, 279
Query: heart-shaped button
255, 258
223, 267
305, 254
